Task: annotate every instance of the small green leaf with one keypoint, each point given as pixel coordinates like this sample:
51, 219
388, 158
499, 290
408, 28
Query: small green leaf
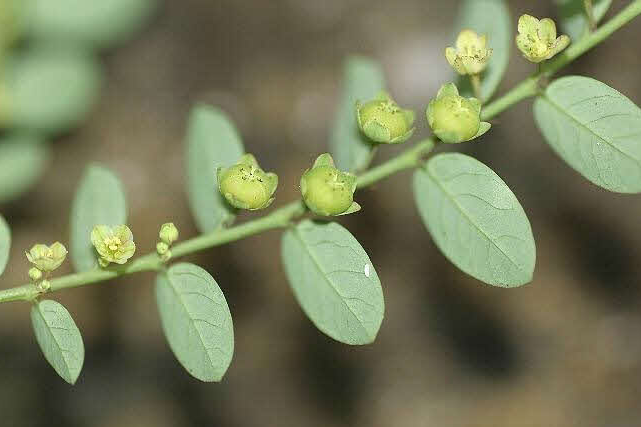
86, 23
212, 142
363, 81
50, 90
99, 200
59, 339
475, 220
5, 243
490, 17
196, 320
595, 129
334, 281
574, 21
23, 159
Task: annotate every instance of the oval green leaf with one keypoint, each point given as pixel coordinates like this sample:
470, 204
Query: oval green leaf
58, 338
574, 20
86, 23
334, 281
23, 159
99, 200
490, 17
595, 129
475, 220
212, 142
5, 243
363, 80
196, 320
50, 90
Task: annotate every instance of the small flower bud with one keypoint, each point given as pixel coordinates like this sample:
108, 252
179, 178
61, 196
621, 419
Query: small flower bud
168, 233
453, 118
328, 191
383, 121
471, 54
35, 274
113, 244
47, 258
537, 39
44, 286
246, 186
166, 256
162, 248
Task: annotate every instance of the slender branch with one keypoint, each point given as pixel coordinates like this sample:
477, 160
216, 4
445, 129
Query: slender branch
530, 86
589, 12
283, 216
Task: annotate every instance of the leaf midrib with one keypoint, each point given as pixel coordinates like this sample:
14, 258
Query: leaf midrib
326, 279
60, 349
559, 108
191, 320
469, 219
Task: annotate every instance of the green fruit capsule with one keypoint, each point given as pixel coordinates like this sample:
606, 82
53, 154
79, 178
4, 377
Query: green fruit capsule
328, 191
246, 186
453, 118
383, 121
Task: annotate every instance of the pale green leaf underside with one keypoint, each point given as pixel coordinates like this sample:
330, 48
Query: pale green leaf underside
22, 161
574, 21
82, 22
595, 129
490, 17
99, 200
475, 220
363, 80
334, 281
50, 89
212, 142
196, 320
59, 338
5, 243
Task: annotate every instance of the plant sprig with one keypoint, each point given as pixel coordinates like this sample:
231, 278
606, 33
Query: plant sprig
188, 295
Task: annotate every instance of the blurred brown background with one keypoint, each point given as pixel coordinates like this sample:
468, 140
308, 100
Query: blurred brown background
563, 351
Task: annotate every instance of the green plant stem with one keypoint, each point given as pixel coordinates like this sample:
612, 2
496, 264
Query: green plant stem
283, 216
475, 80
589, 12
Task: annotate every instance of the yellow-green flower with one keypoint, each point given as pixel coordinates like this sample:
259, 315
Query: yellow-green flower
383, 121
113, 244
47, 258
453, 118
246, 186
328, 191
168, 233
471, 54
537, 39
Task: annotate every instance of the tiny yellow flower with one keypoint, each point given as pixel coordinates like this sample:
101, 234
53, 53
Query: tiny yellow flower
47, 258
113, 244
453, 118
246, 186
471, 54
537, 39
383, 121
328, 191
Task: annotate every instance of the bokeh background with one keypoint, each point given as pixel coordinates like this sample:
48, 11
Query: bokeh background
562, 351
